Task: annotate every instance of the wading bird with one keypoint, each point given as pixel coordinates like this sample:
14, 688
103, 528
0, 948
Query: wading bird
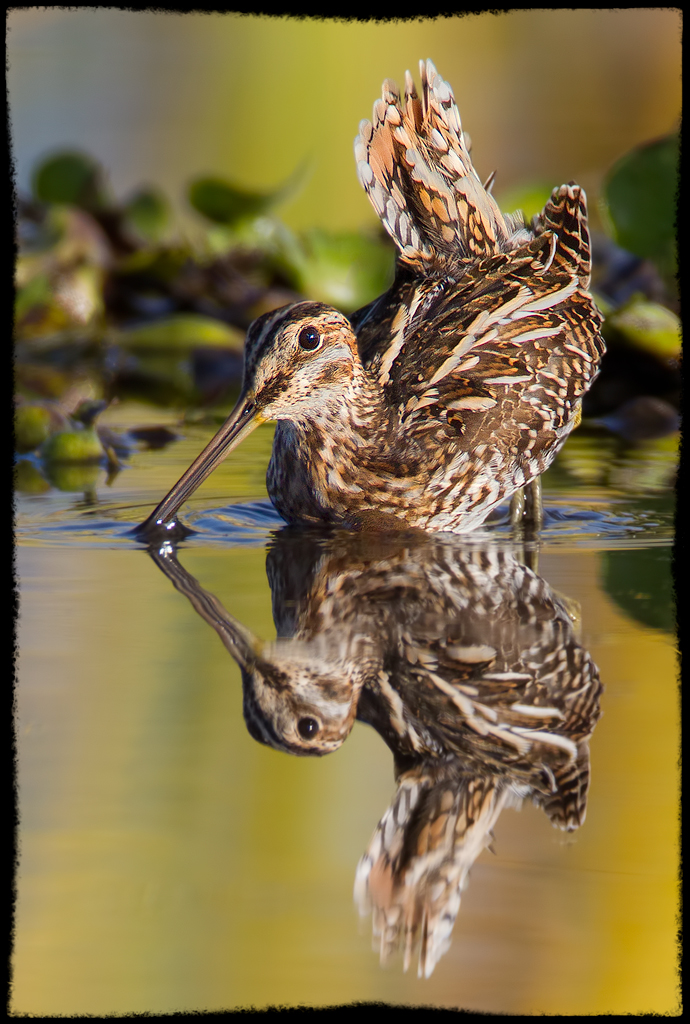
463, 660
453, 390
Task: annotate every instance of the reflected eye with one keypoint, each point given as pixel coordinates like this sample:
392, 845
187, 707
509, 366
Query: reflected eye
308, 728
310, 339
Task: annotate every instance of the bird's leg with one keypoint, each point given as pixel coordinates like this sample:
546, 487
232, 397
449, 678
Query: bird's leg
526, 518
526, 507
517, 507
534, 509
533, 520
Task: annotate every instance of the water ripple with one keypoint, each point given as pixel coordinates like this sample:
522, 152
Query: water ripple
609, 524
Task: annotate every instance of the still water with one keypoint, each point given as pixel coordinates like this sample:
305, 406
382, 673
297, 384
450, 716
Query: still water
169, 861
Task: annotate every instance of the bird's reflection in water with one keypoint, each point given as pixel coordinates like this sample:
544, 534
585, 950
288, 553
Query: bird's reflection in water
464, 661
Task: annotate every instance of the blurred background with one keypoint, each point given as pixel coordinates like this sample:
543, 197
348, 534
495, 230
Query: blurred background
199, 168
160, 98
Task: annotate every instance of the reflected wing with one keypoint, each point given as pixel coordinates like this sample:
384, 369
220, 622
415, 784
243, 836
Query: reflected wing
418, 860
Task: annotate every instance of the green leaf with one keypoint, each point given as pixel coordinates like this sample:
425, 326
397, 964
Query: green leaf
647, 326
31, 427
180, 333
148, 211
73, 446
72, 178
639, 201
345, 269
223, 203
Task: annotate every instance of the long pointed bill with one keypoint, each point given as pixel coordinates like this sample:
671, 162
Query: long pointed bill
244, 418
240, 642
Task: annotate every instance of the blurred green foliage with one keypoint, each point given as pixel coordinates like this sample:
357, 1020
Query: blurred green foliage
645, 325
344, 269
31, 426
179, 333
70, 178
639, 198
605, 461
149, 214
113, 301
73, 446
641, 584
224, 203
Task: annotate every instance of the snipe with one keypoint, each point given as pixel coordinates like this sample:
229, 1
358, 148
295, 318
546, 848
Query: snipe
457, 387
463, 660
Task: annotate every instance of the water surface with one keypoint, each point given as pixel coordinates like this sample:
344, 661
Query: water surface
171, 862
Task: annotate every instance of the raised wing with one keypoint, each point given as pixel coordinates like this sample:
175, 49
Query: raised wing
414, 163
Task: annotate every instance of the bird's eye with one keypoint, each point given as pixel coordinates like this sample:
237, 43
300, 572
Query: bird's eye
309, 338
308, 728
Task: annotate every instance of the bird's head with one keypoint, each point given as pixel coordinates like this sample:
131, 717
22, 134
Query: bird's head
299, 363
298, 702
296, 360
